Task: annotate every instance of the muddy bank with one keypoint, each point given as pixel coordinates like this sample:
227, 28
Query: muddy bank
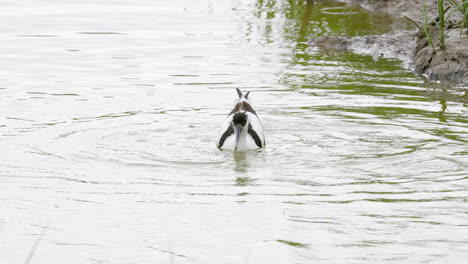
411, 47
398, 45
449, 64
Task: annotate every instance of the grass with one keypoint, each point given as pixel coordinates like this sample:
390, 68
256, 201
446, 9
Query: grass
425, 27
440, 21
463, 8
440, 9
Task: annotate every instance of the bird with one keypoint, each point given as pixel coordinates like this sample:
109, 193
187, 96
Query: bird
242, 129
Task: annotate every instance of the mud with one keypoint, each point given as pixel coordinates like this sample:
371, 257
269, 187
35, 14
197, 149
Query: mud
449, 64
412, 47
399, 44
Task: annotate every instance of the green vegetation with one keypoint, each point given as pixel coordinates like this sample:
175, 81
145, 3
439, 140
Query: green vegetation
440, 9
442, 19
463, 8
426, 26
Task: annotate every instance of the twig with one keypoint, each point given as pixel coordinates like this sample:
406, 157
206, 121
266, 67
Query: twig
36, 244
412, 21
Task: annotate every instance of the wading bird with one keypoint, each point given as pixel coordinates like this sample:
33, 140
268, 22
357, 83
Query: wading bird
241, 130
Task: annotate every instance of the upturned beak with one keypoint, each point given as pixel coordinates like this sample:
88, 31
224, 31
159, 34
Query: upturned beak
238, 129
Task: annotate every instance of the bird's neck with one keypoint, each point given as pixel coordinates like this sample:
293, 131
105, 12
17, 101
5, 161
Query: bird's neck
243, 138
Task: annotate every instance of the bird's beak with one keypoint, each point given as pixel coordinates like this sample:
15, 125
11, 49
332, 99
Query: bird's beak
238, 129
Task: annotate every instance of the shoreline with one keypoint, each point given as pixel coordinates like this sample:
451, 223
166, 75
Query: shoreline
412, 47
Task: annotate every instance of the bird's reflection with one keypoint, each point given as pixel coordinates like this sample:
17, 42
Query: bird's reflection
241, 167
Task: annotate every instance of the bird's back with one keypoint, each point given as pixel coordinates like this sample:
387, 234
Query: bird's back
254, 137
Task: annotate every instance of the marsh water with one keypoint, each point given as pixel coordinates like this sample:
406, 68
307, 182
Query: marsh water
110, 115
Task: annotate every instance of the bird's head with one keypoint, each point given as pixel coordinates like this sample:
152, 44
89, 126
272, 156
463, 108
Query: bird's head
240, 120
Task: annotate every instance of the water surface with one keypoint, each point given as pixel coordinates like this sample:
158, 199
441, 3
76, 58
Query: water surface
109, 118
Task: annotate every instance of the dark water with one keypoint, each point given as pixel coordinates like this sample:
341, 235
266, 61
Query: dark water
109, 117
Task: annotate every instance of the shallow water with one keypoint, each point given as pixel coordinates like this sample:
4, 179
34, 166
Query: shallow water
110, 114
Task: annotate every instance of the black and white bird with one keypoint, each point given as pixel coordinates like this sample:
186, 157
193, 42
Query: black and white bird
242, 129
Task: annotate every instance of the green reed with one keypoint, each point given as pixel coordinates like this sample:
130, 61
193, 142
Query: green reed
463, 8
440, 9
425, 27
